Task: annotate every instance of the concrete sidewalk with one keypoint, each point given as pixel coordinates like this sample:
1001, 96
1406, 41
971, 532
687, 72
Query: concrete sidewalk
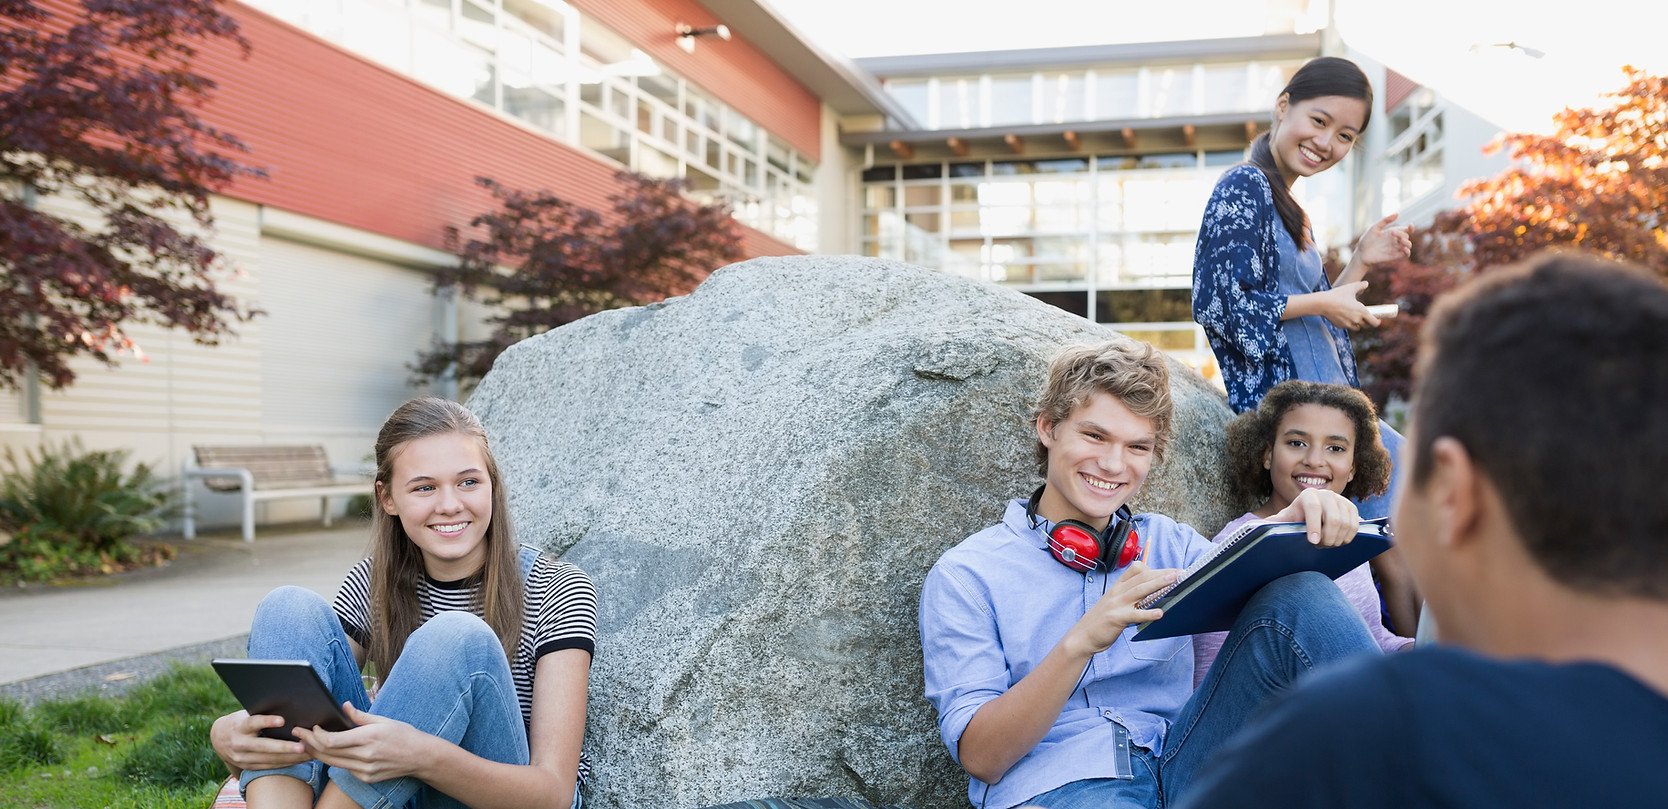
204, 598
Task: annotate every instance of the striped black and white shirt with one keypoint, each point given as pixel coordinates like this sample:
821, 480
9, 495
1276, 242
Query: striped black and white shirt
559, 612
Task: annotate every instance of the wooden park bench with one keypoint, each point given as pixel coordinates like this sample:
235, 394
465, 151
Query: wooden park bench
267, 472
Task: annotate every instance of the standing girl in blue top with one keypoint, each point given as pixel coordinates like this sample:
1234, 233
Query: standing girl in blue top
1268, 308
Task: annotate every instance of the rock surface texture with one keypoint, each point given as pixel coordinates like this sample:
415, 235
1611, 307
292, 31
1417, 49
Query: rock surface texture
757, 476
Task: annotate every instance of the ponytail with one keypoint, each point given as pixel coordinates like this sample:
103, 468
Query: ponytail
1291, 214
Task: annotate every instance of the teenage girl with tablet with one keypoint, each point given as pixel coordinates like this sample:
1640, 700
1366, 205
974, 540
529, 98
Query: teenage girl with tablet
486, 647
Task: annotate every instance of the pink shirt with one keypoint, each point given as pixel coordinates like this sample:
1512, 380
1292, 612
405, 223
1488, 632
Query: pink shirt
1356, 584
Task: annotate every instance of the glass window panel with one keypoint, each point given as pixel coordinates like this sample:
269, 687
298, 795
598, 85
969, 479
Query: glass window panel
803, 169
1162, 339
619, 99
1171, 91
928, 222
1056, 192
1011, 167
879, 196
918, 195
1109, 260
1166, 203
1069, 165
537, 107
1069, 271
923, 249
1063, 97
1116, 94
1076, 303
740, 131
911, 95
1001, 221
871, 248
964, 193
871, 224
655, 163
1227, 89
924, 171
1216, 159
1146, 306
750, 172
967, 169
715, 154
486, 90
645, 116
1010, 100
697, 180
547, 65
1266, 83
958, 103
660, 87
478, 25
539, 15
1059, 219
1005, 193
601, 45
777, 153
965, 221
1159, 259
604, 138
874, 173
437, 13
592, 92
964, 258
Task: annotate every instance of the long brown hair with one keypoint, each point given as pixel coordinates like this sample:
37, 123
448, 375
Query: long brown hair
1322, 76
397, 563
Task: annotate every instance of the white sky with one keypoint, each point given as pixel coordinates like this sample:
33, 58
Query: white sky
1586, 42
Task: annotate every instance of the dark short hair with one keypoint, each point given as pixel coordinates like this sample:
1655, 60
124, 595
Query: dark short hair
1128, 370
1251, 436
1553, 375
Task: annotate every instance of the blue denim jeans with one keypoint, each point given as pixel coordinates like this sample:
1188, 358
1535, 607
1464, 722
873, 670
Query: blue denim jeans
452, 680
1292, 626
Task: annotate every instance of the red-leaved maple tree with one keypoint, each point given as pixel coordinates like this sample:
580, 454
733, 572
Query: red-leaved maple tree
566, 261
1597, 182
100, 111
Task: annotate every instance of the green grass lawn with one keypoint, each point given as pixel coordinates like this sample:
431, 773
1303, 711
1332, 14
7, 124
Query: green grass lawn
147, 750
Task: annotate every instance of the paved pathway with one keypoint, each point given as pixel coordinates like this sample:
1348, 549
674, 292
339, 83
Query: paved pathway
203, 598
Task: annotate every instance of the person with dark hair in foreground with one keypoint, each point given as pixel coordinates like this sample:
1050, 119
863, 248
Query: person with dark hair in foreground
1534, 517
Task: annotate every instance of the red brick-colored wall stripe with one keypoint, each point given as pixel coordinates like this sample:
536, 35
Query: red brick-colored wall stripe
348, 141
735, 71
1397, 88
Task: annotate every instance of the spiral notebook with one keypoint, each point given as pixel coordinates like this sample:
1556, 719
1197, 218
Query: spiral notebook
1209, 594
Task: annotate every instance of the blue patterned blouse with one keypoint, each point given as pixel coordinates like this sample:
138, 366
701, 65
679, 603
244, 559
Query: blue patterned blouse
1242, 273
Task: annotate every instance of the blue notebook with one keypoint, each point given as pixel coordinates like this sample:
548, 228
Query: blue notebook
1209, 594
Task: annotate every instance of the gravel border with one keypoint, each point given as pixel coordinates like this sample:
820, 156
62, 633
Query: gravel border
117, 676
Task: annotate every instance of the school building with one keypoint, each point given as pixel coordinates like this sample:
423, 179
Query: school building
1075, 175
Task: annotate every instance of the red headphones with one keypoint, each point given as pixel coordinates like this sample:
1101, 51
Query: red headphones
1079, 546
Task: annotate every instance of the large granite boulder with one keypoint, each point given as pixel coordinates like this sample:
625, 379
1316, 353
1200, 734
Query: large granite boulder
758, 476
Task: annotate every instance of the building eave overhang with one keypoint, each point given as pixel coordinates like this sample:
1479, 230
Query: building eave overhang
1215, 132
841, 84
1271, 46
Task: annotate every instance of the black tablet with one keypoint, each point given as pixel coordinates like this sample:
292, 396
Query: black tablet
287, 688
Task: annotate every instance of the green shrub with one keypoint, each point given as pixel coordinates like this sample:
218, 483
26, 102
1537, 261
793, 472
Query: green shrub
11, 712
69, 510
23, 744
80, 716
178, 754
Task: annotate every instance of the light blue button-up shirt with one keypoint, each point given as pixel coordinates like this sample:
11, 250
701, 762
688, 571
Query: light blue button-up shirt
995, 605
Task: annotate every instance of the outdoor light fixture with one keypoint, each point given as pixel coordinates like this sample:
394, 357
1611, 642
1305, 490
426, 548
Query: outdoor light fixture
687, 34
